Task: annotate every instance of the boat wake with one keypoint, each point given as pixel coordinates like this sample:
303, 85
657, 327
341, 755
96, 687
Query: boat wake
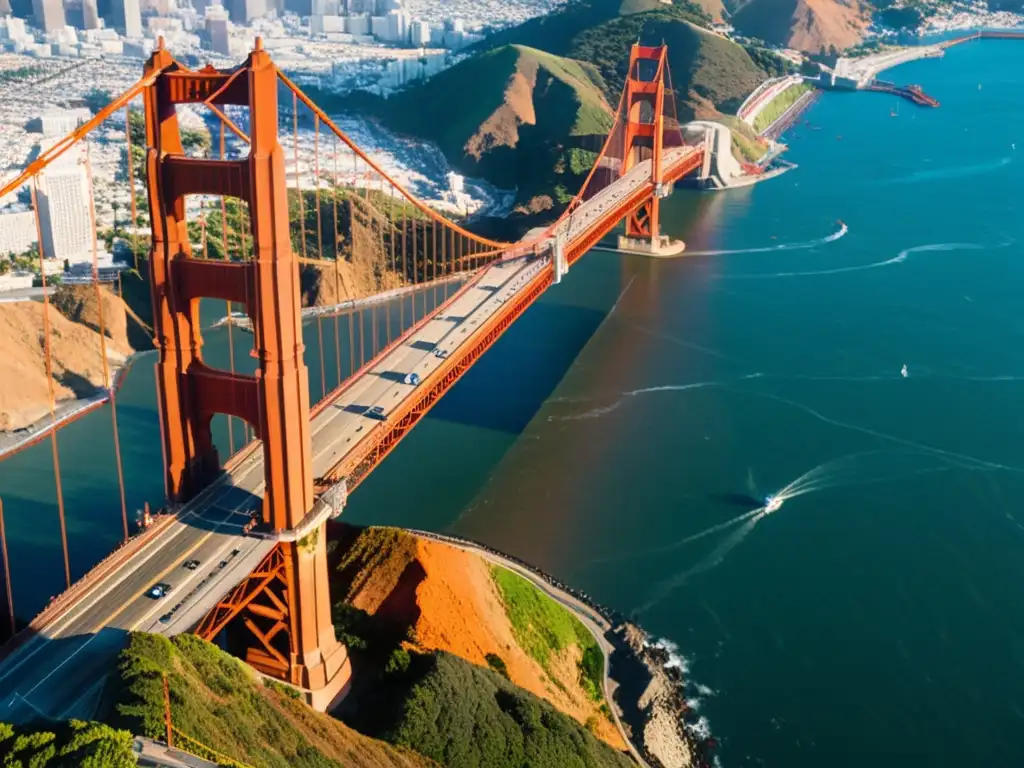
602, 410
956, 172
899, 258
839, 233
863, 468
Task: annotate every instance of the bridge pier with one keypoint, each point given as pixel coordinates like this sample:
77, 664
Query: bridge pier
559, 263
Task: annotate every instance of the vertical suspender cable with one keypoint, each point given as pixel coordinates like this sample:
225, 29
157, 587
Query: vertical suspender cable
49, 384
319, 249
131, 182
107, 383
231, 338
337, 263
7, 570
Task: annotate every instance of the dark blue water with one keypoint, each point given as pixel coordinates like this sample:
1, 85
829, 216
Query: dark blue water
876, 618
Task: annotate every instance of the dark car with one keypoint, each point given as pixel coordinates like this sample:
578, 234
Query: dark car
191, 564
376, 412
166, 618
158, 590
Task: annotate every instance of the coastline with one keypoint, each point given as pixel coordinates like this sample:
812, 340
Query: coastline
636, 667
65, 412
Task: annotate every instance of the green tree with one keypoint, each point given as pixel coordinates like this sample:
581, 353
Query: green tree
75, 744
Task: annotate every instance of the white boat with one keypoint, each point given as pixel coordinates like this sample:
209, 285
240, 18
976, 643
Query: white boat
903, 371
772, 503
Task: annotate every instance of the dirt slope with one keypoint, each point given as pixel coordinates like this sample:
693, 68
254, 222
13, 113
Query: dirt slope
75, 350
449, 601
807, 25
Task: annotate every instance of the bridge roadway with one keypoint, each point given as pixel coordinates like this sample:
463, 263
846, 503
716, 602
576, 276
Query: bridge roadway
59, 673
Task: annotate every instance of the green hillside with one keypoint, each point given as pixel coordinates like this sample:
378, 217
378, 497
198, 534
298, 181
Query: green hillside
217, 701
709, 72
511, 114
464, 716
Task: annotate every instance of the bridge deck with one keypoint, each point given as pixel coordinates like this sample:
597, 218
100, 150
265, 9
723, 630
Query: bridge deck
59, 673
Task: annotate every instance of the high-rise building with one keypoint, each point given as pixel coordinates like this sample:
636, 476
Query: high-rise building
419, 34
90, 15
48, 14
324, 8
5, 8
244, 11
398, 27
218, 30
126, 17
64, 214
358, 26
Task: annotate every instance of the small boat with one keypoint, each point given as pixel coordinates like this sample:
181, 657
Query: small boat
772, 503
903, 371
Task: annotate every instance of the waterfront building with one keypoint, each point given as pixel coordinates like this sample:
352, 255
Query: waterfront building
358, 26
419, 34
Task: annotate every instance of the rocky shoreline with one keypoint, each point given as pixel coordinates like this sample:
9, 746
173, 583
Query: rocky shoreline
653, 702
647, 681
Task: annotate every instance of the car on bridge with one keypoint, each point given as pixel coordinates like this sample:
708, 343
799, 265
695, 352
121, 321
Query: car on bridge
375, 412
191, 564
412, 378
159, 590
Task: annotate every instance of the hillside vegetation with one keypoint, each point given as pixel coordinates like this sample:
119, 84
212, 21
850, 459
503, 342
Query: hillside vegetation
512, 115
74, 744
463, 716
217, 701
709, 73
429, 596
533, 104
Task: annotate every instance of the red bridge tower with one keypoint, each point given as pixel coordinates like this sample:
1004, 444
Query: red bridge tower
285, 602
651, 127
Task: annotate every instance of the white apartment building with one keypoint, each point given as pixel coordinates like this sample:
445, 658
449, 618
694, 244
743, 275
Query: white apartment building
17, 232
64, 218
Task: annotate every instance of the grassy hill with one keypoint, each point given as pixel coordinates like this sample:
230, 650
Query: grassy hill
219, 702
530, 108
709, 73
406, 593
512, 114
464, 716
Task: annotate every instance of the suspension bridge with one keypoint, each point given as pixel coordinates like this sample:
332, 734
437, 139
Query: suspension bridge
241, 541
